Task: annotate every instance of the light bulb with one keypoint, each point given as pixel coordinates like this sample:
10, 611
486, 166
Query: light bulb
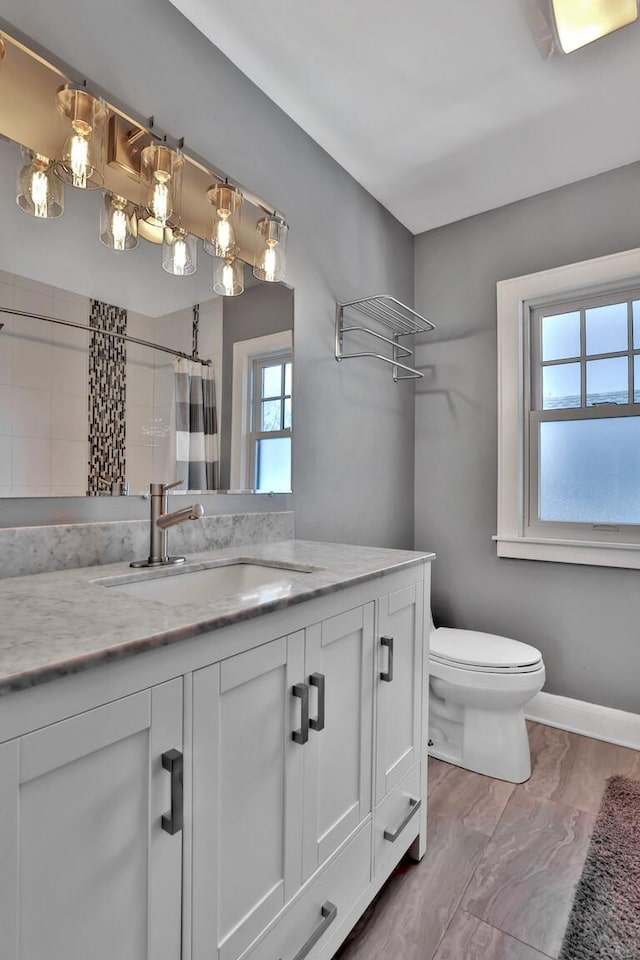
79, 160
269, 262
119, 229
227, 279
225, 239
160, 201
179, 257
40, 193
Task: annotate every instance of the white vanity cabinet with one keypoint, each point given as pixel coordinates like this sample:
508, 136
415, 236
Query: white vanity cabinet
304, 738
86, 868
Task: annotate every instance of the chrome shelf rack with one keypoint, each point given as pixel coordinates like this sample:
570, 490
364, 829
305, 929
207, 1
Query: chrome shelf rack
390, 315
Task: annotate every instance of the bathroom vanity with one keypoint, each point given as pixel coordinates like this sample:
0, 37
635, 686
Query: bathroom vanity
228, 776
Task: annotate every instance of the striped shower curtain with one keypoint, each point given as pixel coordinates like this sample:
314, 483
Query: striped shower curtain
196, 425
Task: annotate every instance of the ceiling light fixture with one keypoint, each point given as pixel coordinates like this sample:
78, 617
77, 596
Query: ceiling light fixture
161, 173
179, 252
228, 276
82, 159
580, 22
227, 201
40, 193
118, 223
271, 261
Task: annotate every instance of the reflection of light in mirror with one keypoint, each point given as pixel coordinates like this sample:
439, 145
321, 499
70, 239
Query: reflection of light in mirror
79, 160
159, 202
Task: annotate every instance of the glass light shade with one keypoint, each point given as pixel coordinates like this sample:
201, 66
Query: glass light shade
40, 193
179, 253
271, 260
228, 277
161, 175
82, 160
226, 201
118, 223
579, 22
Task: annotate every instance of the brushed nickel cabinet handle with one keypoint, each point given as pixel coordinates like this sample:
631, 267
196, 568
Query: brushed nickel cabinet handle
301, 690
172, 761
317, 680
415, 806
388, 675
329, 912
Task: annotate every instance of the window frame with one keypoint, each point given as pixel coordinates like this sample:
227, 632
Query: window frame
516, 536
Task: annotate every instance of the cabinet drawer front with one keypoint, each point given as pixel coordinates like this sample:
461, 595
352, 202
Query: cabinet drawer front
399, 819
304, 923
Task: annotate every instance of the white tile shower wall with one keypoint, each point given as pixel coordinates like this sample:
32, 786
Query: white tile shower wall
43, 391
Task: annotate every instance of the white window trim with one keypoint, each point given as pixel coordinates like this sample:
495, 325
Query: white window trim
244, 353
514, 297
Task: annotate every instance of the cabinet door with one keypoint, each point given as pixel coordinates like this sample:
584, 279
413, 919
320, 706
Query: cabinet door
337, 758
247, 795
87, 869
399, 686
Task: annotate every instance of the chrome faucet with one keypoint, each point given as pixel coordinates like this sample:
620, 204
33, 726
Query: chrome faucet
161, 520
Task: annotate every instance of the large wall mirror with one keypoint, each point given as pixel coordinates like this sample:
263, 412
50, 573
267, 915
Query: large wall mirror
83, 412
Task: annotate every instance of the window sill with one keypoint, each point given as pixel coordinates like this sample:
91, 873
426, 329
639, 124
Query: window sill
599, 554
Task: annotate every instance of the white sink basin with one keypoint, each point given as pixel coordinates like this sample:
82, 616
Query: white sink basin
197, 586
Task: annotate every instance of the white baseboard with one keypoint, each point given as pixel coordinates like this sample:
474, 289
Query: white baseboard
588, 719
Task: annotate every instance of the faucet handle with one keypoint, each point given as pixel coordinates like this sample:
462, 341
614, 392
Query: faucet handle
170, 486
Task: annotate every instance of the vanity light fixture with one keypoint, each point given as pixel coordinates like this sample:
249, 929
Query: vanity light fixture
226, 200
40, 192
118, 223
82, 161
228, 276
580, 22
3, 49
271, 261
161, 174
179, 252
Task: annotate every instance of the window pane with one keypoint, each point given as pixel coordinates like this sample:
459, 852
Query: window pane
561, 386
287, 414
273, 465
606, 328
590, 470
608, 381
561, 336
271, 415
636, 379
287, 378
636, 324
272, 381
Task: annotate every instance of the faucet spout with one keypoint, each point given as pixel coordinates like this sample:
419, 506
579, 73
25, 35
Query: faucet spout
193, 512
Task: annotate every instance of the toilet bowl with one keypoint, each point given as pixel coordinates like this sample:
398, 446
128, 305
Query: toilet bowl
479, 685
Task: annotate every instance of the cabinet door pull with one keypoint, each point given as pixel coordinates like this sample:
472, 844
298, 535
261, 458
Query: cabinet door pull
388, 676
302, 690
415, 806
317, 680
172, 761
329, 912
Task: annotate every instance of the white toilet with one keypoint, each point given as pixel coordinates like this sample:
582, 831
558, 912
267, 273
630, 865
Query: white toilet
479, 684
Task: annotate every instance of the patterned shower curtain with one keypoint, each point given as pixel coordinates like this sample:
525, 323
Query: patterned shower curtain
196, 425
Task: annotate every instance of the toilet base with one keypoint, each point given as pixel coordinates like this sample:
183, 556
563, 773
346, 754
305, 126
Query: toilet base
494, 743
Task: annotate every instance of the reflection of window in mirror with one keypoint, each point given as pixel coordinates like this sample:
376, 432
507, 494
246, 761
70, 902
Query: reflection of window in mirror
270, 437
262, 413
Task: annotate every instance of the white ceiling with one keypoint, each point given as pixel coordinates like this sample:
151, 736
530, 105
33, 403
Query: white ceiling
440, 109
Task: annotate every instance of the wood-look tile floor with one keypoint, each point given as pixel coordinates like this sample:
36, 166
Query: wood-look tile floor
502, 861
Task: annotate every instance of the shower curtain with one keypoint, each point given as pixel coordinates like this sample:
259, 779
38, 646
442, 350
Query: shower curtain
196, 425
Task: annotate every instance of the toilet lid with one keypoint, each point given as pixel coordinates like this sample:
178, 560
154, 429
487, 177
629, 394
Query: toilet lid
473, 649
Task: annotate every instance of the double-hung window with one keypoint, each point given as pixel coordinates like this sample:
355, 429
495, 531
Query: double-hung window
270, 439
569, 413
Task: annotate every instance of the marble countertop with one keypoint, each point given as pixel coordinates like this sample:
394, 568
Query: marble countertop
56, 624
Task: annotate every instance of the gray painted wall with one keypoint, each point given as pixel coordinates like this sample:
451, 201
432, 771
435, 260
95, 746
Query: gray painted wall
263, 309
585, 620
353, 443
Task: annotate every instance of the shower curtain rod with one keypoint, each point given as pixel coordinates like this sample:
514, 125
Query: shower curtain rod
109, 333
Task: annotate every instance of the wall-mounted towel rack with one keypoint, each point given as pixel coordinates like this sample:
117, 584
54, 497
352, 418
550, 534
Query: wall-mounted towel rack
389, 314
